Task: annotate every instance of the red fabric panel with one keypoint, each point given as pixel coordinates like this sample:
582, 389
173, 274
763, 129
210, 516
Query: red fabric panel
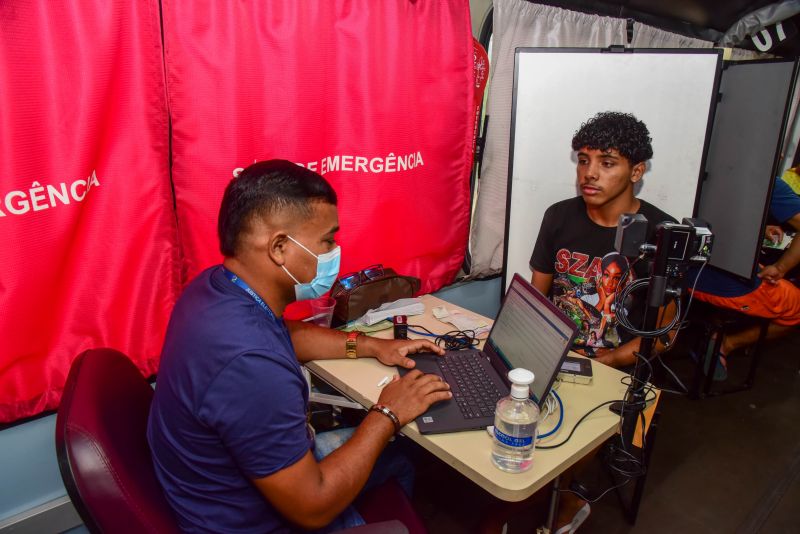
480, 69
353, 83
82, 100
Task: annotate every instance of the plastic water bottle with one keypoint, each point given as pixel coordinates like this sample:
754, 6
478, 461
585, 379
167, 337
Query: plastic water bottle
515, 420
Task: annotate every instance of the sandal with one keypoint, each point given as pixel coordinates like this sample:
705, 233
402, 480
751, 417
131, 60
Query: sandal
577, 520
721, 367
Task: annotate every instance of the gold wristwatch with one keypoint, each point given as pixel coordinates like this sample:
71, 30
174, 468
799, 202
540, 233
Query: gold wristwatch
350, 344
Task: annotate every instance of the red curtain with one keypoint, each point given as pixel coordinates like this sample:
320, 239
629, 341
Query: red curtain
89, 255
376, 96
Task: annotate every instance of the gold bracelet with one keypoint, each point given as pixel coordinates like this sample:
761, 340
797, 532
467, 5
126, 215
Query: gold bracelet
380, 408
350, 344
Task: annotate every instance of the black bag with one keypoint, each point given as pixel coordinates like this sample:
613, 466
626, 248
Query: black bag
370, 293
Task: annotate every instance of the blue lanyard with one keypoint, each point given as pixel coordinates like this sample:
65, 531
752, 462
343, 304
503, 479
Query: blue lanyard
241, 283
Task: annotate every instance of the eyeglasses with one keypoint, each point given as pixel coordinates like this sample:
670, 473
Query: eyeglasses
351, 281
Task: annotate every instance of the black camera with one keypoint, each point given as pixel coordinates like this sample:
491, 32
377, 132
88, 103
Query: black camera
690, 241
686, 242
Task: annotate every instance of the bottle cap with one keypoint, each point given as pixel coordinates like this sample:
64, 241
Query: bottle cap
520, 380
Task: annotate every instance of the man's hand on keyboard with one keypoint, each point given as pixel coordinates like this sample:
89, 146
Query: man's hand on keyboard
395, 351
412, 395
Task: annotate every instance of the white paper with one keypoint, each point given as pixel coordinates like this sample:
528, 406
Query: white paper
465, 322
411, 306
440, 312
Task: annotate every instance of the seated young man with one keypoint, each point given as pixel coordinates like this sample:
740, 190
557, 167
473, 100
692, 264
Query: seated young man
228, 425
574, 260
769, 295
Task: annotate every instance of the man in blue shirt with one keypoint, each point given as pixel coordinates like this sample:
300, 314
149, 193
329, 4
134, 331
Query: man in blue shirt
769, 295
228, 426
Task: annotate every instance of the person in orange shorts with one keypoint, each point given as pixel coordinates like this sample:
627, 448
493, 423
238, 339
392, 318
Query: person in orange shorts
769, 295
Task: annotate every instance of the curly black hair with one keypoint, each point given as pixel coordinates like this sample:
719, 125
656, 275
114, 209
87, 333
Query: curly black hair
615, 130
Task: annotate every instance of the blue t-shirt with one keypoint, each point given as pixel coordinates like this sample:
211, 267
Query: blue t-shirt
230, 406
783, 205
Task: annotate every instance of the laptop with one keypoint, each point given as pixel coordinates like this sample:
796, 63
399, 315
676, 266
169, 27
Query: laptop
529, 332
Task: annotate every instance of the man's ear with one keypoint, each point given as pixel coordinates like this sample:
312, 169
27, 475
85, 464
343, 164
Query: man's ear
638, 171
276, 247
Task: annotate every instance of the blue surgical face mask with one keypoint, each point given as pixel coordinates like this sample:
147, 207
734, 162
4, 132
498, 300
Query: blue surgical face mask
327, 271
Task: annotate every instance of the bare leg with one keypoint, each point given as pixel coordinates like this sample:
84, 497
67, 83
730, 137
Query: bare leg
749, 336
568, 502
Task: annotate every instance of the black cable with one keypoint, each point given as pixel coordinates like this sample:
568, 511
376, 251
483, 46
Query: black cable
677, 321
621, 461
668, 346
684, 321
622, 317
636, 384
606, 403
619, 304
684, 389
587, 499
631, 265
452, 340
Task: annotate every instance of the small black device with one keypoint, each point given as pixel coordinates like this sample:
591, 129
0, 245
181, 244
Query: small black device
631, 234
576, 370
400, 323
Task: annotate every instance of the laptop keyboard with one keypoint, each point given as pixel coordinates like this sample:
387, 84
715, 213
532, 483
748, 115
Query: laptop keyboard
472, 388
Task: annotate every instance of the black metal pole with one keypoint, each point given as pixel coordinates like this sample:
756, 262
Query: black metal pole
656, 290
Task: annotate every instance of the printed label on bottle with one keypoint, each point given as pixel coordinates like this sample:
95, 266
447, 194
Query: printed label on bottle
511, 441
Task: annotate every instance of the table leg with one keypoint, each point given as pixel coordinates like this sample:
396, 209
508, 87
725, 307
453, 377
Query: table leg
551, 515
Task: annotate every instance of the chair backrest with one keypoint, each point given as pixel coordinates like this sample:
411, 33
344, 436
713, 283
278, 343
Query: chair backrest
102, 448
388, 502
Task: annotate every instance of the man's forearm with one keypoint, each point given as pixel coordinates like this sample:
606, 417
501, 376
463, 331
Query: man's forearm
314, 343
346, 470
311, 494
790, 258
622, 356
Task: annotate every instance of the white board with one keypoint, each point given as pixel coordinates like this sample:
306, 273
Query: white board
557, 90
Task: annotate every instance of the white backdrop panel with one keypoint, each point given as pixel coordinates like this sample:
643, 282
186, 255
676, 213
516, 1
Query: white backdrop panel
555, 92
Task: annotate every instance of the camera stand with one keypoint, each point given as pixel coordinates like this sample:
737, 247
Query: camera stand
677, 245
635, 398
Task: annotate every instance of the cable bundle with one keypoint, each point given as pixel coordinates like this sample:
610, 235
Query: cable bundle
452, 340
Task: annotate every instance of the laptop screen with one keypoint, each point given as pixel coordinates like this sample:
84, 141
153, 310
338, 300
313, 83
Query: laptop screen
530, 332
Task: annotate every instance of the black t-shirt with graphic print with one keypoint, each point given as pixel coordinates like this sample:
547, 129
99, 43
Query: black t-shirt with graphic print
588, 272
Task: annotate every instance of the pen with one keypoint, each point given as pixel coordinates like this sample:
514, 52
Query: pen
385, 380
